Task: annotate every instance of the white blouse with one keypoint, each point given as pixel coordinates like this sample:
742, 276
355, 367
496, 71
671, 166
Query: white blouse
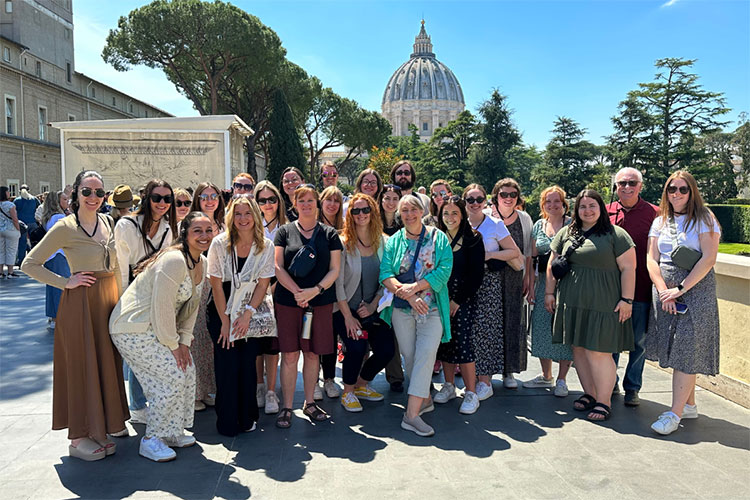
492, 230
690, 239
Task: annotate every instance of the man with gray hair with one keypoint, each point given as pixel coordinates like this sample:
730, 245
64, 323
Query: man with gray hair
634, 215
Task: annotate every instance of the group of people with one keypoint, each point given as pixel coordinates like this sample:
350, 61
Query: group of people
204, 298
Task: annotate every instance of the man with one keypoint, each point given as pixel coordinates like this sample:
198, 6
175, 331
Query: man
403, 175
634, 215
329, 174
26, 205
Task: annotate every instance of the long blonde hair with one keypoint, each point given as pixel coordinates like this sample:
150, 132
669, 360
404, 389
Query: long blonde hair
332, 192
233, 234
375, 229
696, 209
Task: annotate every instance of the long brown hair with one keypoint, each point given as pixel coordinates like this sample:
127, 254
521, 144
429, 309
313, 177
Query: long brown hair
233, 234
375, 229
180, 243
433, 205
280, 206
696, 209
332, 192
196, 206
145, 208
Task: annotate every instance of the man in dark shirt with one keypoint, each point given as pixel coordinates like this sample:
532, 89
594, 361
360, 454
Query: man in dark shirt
634, 215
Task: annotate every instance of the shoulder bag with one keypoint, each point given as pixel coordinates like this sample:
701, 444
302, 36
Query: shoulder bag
409, 276
682, 256
561, 264
306, 257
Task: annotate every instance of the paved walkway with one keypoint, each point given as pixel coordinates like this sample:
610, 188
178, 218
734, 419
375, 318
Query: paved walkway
520, 444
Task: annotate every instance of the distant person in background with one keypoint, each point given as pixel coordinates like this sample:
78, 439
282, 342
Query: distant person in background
9, 234
52, 211
121, 200
26, 205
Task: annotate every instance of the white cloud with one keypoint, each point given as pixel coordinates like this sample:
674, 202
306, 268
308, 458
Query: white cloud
669, 3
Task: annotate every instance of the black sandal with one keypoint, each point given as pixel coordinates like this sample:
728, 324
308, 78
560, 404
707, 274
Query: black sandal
313, 411
587, 401
284, 420
606, 411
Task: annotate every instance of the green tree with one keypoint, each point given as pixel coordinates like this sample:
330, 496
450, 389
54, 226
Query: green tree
285, 148
382, 160
741, 142
714, 172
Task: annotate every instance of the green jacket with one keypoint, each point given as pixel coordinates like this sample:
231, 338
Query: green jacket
396, 247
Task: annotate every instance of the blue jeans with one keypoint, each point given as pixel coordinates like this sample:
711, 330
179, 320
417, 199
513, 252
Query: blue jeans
23, 242
634, 371
136, 399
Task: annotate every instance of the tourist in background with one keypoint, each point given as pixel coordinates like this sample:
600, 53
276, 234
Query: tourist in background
440, 190
10, 233
52, 212
121, 201
683, 332
88, 391
26, 205
182, 203
152, 326
291, 177
404, 176
592, 304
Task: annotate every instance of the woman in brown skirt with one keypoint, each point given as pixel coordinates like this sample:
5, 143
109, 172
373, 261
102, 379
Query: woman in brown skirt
88, 395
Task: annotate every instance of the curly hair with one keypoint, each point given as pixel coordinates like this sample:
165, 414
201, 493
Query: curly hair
375, 226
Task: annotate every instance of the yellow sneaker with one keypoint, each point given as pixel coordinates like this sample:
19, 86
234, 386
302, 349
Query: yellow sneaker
368, 393
350, 402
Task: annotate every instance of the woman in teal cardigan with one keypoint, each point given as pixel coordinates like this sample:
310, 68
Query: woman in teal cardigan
420, 309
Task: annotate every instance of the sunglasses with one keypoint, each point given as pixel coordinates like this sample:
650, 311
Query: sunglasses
455, 200
471, 200
206, 197
632, 184
305, 186
239, 186
157, 198
87, 191
182, 203
329, 174
370, 183
440, 194
286, 182
357, 211
391, 187
273, 200
504, 195
403, 172
673, 189
248, 196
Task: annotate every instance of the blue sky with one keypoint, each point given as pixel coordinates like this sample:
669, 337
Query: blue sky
573, 58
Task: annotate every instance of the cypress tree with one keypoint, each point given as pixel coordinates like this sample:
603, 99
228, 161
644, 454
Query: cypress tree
285, 148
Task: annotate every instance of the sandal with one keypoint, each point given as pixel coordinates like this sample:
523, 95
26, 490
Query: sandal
605, 412
88, 450
109, 446
313, 411
284, 420
585, 403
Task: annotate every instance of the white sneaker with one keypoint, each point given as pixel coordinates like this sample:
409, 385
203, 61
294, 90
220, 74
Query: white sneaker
199, 405
332, 389
271, 401
509, 382
484, 391
561, 388
470, 404
446, 393
182, 441
155, 449
318, 392
252, 427
666, 424
210, 401
417, 426
538, 382
260, 395
139, 416
690, 412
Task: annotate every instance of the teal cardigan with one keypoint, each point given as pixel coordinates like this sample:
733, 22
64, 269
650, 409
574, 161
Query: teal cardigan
396, 247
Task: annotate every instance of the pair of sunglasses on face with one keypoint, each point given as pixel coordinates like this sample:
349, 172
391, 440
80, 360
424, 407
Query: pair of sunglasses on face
157, 198
206, 197
87, 191
182, 203
440, 194
674, 189
505, 196
622, 184
406, 173
273, 200
325, 175
241, 186
363, 210
471, 200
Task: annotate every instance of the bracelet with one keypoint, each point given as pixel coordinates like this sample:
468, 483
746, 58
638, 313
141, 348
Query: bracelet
250, 308
627, 301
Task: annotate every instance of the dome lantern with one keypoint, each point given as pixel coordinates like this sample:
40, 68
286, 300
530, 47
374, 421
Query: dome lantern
422, 44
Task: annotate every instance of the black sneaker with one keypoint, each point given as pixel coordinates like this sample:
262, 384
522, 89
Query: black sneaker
397, 386
631, 398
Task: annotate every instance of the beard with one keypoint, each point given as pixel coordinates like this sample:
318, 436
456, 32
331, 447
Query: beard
405, 183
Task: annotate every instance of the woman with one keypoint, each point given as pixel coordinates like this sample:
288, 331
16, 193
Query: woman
440, 190
358, 292
291, 177
208, 200
10, 232
88, 391
465, 280
240, 267
499, 248
153, 332
182, 204
595, 299
688, 341
303, 289
243, 183
415, 268
271, 206
53, 209
506, 196
369, 182
389, 198
554, 208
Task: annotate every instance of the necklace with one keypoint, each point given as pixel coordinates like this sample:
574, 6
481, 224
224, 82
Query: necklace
480, 222
303, 228
270, 222
679, 213
84, 230
503, 217
193, 261
363, 244
410, 233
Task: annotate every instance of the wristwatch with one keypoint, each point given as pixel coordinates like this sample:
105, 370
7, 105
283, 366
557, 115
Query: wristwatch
251, 309
320, 287
627, 301
680, 287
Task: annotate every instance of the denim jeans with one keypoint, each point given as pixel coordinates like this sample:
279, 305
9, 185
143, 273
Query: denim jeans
23, 242
136, 398
634, 371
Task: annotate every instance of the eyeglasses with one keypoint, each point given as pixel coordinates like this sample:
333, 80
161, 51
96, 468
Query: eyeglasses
87, 191
391, 187
286, 182
440, 194
504, 195
182, 203
632, 184
239, 186
403, 172
370, 183
206, 197
305, 186
479, 199
157, 198
673, 189
273, 200
329, 174
363, 210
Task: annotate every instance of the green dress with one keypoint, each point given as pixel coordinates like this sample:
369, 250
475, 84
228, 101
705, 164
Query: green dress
588, 295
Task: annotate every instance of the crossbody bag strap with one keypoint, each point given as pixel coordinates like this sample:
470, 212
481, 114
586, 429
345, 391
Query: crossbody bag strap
416, 252
673, 232
5, 214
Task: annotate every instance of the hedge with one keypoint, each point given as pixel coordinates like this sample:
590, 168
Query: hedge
735, 222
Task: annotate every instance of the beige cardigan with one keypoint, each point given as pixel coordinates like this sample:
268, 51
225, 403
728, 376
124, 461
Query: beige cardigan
150, 301
351, 271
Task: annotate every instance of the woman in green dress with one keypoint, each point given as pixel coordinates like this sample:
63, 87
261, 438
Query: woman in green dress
595, 299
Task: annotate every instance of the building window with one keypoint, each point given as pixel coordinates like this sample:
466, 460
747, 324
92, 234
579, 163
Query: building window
39, 69
67, 34
6, 54
131, 108
13, 187
68, 72
44, 187
42, 123
93, 92
71, 118
114, 101
10, 115
146, 113
8, 6
424, 126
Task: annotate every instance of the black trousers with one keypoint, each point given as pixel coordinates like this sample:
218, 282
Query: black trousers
381, 342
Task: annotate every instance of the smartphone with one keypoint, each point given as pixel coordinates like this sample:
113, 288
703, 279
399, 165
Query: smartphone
681, 308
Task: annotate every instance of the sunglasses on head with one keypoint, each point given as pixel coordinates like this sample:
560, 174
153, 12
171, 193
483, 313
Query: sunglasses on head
156, 198
249, 196
87, 191
363, 210
329, 174
504, 195
632, 184
392, 187
456, 200
206, 197
471, 200
305, 186
182, 203
440, 194
403, 172
273, 200
240, 186
673, 189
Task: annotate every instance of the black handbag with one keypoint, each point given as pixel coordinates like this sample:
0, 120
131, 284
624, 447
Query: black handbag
542, 261
561, 264
306, 257
409, 276
682, 256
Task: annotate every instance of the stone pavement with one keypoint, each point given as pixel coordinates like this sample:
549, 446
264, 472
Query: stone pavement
521, 443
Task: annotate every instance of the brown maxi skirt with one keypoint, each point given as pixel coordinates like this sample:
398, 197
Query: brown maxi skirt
88, 391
